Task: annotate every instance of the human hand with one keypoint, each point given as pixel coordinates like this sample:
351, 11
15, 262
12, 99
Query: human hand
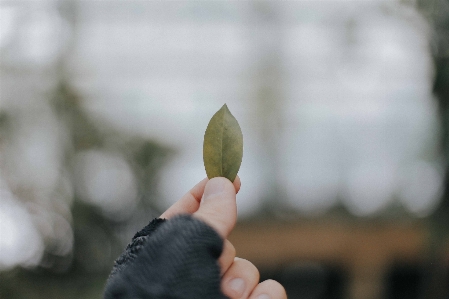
214, 202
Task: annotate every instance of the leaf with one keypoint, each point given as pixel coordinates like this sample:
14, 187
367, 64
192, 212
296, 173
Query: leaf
223, 145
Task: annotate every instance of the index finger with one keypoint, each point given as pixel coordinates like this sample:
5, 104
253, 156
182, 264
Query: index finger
190, 202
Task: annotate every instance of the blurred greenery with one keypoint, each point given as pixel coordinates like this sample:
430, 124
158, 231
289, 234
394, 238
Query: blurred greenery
98, 239
437, 13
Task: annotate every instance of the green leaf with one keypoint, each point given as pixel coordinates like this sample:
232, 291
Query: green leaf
223, 145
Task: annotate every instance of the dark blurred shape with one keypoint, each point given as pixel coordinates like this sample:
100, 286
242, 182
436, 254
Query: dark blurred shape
67, 105
405, 281
437, 13
310, 280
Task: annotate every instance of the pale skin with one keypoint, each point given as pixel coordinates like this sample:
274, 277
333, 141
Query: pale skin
214, 202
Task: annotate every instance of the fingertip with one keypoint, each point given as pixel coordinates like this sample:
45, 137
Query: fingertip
189, 203
269, 289
198, 189
237, 184
215, 186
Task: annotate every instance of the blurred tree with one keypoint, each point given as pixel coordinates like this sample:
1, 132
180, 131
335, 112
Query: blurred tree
75, 263
98, 239
437, 12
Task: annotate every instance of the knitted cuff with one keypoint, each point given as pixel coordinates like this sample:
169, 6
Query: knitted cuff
174, 259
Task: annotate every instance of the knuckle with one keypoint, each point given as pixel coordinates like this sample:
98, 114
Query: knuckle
249, 266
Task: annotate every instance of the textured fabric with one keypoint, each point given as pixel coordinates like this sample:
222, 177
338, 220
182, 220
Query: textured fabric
173, 259
135, 246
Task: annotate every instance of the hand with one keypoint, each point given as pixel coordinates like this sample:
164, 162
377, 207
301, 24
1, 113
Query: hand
214, 202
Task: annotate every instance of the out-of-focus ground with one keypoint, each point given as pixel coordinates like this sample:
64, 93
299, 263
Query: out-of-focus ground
344, 108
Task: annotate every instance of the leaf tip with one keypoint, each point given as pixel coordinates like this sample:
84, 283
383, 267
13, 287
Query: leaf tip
225, 108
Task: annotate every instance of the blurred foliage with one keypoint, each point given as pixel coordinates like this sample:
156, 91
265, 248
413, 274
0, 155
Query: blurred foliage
437, 13
98, 239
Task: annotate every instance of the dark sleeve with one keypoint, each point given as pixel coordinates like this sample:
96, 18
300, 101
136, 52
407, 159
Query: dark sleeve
173, 259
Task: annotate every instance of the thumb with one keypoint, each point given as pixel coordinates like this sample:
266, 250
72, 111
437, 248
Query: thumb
218, 206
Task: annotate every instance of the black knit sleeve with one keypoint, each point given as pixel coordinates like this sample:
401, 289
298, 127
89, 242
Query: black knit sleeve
173, 259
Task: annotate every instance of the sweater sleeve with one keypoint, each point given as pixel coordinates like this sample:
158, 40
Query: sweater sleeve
173, 259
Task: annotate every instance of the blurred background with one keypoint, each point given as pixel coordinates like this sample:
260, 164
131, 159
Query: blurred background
344, 108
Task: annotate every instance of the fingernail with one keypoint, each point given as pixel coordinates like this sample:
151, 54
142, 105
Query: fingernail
263, 296
237, 285
213, 187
